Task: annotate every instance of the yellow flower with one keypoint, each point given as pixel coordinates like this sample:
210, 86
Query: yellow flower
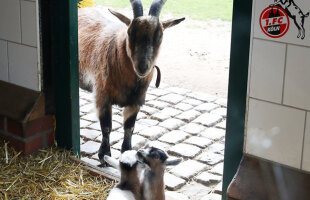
86, 3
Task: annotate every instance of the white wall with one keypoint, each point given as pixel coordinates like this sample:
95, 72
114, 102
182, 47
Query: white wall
19, 43
278, 114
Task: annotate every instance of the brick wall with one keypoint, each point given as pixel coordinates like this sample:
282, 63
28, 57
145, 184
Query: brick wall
30, 136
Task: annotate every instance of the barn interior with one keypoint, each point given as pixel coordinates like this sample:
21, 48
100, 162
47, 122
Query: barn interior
261, 147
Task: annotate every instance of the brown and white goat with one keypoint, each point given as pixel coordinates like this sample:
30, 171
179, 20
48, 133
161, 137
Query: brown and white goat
117, 62
153, 186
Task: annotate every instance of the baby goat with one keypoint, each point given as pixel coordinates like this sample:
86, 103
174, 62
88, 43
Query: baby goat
117, 62
153, 187
131, 170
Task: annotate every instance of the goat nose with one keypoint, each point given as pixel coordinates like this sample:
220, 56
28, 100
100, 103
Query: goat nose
143, 67
141, 153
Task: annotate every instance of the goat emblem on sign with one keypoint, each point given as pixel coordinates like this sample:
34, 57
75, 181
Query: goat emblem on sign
274, 20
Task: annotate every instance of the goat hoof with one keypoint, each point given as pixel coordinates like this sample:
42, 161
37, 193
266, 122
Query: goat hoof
103, 165
103, 162
103, 150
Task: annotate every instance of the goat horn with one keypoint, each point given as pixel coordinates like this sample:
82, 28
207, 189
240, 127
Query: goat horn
137, 8
156, 7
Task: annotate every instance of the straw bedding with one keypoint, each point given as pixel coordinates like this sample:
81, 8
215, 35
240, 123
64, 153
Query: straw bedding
49, 174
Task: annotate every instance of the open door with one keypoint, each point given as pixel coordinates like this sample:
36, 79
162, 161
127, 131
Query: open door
237, 89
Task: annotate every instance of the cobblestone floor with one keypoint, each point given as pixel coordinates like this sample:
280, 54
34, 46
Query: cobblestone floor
184, 123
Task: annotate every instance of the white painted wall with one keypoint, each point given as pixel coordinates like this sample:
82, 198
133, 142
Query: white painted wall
278, 110
19, 43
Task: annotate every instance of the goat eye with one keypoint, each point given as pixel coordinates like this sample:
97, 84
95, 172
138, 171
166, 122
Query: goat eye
158, 39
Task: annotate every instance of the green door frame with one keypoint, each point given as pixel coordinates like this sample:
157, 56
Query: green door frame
64, 52
237, 89
65, 63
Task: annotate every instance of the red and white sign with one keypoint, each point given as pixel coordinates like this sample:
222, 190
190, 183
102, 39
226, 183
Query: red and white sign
274, 22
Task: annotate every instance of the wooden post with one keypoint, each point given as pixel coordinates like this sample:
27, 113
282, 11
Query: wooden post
237, 90
66, 67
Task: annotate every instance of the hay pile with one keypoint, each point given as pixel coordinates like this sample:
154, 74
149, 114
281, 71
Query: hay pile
49, 174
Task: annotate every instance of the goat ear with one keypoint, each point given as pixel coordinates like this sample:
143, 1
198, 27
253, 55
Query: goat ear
173, 162
121, 17
111, 161
172, 22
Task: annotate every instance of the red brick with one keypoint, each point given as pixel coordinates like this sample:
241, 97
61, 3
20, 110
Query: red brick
50, 139
33, 145
38, 125
33, 128
15, 127
24, 147
17, 144
1, 123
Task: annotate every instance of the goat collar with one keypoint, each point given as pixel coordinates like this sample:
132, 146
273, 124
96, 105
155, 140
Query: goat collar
158, 76
157, 79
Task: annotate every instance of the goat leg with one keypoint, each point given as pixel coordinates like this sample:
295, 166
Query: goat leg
299, 33
105, 118
130, 115
303, 31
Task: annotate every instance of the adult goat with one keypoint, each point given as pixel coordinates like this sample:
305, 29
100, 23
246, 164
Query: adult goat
117, 62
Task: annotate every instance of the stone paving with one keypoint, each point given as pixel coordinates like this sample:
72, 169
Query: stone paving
185, 124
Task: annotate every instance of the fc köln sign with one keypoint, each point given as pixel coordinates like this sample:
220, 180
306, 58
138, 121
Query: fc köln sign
275, 19
274, 22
